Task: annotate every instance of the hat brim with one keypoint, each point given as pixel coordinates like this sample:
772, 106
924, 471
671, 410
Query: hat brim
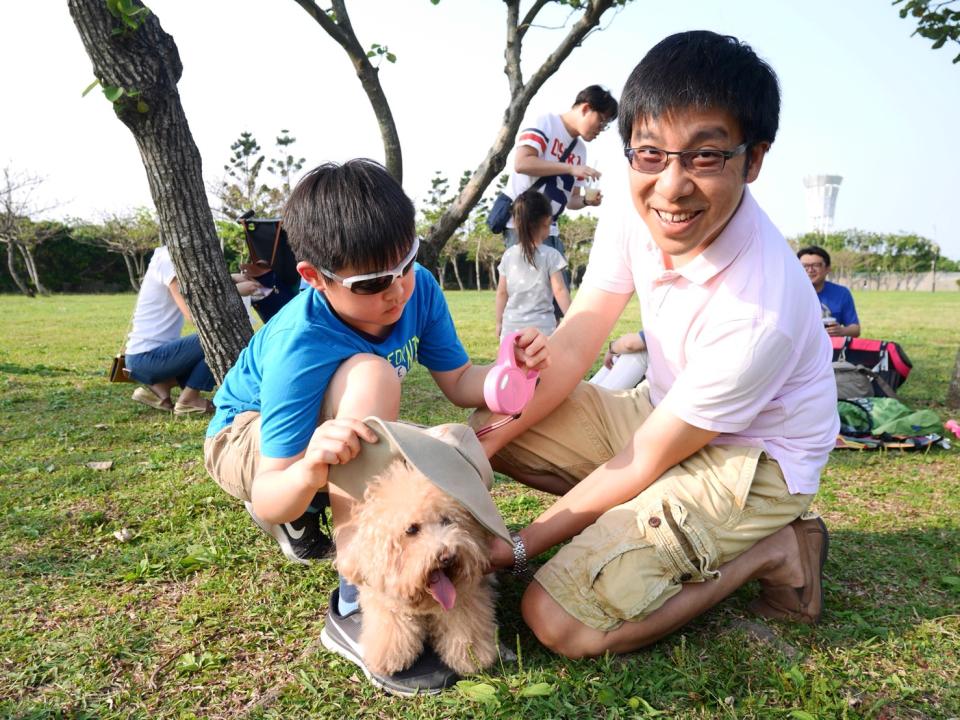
450, 456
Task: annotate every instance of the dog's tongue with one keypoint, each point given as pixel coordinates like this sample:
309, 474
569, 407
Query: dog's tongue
442, 589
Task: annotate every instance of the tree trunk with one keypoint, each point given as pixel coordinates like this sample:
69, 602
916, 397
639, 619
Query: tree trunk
492, 268
12, 267
31, 265
146, 61
441, 272
456, 273
131, 273
953, 391
340, 29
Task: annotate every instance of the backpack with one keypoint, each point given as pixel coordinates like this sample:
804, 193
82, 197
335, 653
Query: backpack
885, 363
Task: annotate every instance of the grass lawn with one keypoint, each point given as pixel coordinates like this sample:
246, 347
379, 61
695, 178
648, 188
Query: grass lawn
198, 614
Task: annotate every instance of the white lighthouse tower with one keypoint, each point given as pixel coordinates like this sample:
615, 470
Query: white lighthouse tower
822, 200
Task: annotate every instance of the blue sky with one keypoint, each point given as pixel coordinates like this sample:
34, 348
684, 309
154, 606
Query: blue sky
861, 97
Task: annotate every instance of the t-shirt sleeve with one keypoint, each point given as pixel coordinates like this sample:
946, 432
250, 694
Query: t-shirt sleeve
609, 265
848, 310
736, 369
534, 136
555, 261
439, 348
165, 269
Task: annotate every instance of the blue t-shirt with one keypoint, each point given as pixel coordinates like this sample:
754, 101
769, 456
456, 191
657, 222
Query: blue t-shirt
284, 372
839, 301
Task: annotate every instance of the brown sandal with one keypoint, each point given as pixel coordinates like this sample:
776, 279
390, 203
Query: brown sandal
804, 604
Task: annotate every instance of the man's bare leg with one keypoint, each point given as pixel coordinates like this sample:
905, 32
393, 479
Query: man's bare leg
775, 560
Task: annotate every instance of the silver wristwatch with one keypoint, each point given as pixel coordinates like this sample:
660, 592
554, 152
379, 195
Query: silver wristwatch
519, 555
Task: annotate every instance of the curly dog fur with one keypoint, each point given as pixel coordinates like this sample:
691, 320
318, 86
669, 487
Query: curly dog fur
418, 559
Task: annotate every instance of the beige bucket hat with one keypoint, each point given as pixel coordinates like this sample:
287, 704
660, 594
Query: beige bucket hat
449, 455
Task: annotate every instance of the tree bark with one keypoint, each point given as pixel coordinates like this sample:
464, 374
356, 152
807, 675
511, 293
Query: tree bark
146, 61
953, 391
340, 29
12, 267
456, 273
27, 252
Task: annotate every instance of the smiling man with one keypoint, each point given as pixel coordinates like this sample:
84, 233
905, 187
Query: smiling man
678, 492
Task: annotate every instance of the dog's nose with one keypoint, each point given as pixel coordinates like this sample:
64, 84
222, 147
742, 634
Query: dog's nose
447, 559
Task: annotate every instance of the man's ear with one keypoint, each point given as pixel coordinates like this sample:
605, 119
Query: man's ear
755, 155
313, 277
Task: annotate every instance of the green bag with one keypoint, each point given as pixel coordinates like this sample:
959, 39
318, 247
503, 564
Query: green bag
885, 416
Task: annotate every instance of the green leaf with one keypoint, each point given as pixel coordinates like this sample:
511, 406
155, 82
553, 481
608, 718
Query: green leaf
481, 692
951, 582
607, 696
802, 715
391, 57
112, 92
142, 107
90, 87
537, 690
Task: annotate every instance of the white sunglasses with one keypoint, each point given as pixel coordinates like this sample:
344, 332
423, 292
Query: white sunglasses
373, 283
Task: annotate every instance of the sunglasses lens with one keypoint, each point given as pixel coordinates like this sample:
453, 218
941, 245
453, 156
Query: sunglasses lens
372, 286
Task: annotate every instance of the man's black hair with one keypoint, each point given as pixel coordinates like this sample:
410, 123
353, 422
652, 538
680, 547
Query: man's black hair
702, 70
815, 250
599, 99
352, 214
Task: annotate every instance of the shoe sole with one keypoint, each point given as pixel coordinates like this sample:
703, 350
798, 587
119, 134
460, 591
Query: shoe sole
277, 534
343, 651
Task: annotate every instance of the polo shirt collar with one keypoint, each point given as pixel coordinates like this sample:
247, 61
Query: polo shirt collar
722, 251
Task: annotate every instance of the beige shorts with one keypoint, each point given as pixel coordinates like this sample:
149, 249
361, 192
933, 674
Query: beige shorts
697, 516
233, 454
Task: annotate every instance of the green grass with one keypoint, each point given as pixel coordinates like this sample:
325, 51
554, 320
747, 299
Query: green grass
199, 616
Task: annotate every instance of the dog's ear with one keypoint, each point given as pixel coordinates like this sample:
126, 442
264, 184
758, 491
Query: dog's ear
347, 562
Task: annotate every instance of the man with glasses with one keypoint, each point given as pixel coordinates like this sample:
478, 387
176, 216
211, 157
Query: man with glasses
293, 403
836, 302
551, 155
678, 492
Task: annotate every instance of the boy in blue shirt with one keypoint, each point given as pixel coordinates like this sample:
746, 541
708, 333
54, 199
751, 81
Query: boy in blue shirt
291, 405
839, 313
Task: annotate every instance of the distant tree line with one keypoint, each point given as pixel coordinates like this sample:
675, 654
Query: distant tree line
857, 251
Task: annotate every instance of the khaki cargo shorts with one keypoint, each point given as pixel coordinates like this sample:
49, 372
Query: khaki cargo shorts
233, 454
697, 516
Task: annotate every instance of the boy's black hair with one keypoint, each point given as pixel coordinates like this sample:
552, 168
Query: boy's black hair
815, 250
529, 209
599, 99
702, 70
352, 214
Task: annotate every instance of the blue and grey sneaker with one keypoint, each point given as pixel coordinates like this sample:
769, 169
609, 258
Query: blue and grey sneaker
427, 676
301, 540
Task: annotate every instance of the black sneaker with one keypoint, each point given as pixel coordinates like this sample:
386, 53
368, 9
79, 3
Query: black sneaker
427, 676
301, 540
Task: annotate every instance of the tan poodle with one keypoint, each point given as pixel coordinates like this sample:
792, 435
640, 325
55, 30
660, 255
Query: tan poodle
418, 559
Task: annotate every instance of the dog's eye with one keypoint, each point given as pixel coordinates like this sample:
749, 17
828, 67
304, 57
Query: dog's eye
413, 529
444, 520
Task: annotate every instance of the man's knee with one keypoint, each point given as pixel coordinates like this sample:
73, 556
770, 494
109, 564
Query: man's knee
555, 628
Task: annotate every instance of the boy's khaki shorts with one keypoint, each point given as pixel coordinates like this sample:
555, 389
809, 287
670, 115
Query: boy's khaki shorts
697, 516
232, 455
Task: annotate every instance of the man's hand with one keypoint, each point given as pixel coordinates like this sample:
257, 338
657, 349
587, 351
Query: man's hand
335, 442
530, 349
584, 172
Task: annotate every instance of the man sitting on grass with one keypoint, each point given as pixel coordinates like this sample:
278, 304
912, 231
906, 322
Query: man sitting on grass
676, 493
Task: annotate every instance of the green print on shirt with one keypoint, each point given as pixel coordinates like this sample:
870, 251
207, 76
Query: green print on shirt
404, 355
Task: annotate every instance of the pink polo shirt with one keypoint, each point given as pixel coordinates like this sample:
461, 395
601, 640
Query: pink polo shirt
735, 338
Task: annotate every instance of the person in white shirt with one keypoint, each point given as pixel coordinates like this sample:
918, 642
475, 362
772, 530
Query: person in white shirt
156, 355
676, 493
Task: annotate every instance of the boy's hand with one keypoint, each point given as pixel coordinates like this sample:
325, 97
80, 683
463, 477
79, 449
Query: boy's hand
335, 442
531, 350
